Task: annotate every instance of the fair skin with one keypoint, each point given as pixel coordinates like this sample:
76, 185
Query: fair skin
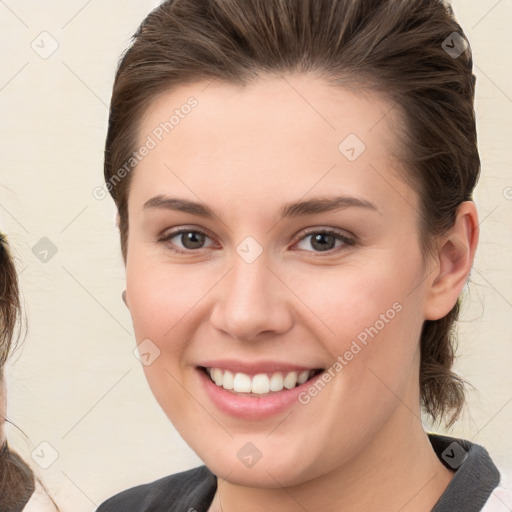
245, 152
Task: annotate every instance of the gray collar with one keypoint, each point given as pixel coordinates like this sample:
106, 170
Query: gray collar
475, 477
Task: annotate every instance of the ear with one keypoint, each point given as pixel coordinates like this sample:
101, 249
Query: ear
453, 263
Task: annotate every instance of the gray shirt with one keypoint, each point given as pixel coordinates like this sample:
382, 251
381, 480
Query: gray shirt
475, 478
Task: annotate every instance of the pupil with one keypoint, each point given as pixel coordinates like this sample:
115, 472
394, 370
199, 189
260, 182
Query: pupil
194, 238
318, 239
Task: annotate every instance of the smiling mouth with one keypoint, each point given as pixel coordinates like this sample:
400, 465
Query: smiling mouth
259, 384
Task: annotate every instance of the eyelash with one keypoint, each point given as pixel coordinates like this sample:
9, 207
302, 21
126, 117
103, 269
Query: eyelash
327, 231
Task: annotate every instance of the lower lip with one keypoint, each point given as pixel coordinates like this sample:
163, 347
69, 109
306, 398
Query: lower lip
259, 407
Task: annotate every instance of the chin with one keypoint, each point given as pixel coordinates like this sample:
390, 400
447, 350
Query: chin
241, 464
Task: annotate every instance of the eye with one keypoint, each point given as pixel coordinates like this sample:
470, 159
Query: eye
191, 239
324, 240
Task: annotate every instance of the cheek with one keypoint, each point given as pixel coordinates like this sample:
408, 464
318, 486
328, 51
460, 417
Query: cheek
362, 313
162, 297
161, 300
355, 302
166, 303
355, 309
369, 322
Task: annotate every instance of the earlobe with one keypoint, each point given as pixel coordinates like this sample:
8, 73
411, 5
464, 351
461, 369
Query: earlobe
455, 259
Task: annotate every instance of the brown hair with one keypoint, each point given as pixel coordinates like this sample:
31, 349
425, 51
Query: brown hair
9, 301
17, 480
393, 47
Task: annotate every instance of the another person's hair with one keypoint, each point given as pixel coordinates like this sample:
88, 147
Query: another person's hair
17, 480
17, 483
10, 307
390, 47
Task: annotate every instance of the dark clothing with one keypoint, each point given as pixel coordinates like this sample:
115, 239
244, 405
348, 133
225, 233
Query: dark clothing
475, 478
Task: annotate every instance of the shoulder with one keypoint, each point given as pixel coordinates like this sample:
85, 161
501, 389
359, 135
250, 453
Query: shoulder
476, 477
189, 489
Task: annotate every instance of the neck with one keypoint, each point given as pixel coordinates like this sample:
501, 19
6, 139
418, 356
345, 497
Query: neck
398, 470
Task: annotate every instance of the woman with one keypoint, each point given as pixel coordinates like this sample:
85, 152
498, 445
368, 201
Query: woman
20, 490
294, 188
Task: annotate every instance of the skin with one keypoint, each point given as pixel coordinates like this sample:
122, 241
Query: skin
245, 152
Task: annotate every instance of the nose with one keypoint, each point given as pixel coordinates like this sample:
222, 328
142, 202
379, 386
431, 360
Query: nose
251, 302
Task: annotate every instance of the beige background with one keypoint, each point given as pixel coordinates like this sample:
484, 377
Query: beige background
75, 385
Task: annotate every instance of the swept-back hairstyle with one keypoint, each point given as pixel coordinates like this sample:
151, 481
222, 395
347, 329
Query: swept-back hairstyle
409, 52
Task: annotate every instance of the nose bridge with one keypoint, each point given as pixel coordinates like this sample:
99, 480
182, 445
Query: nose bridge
251, 300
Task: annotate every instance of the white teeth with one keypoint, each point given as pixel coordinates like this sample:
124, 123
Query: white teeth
303, 377
228, 380
242, 383
259, 384
217, 376
276, 382
290, 381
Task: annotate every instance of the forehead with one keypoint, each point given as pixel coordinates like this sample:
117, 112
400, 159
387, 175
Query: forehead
289, 134
305, 104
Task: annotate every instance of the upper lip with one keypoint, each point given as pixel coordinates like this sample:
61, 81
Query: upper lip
255, 367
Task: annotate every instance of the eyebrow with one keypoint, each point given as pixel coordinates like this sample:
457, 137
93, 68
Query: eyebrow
295, 209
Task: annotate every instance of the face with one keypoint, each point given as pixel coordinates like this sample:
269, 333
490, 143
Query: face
266, 292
